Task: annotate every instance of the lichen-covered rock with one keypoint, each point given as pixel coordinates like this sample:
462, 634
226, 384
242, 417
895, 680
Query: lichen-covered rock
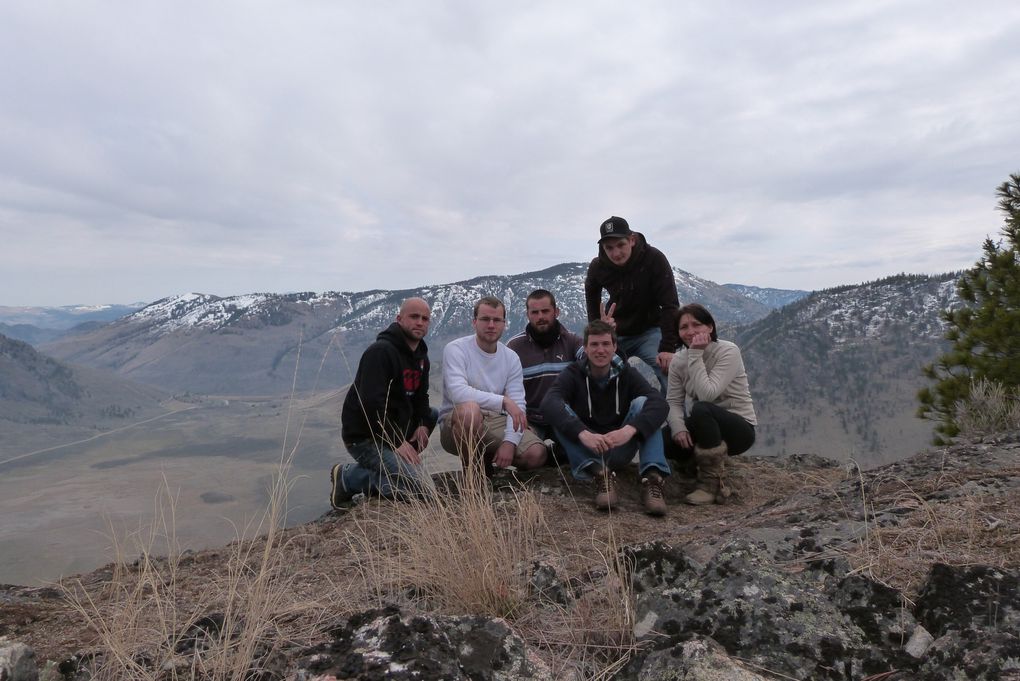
697, 659
962, 597
974, 613
882, 615
815, 624
974, 655
17, 661
546, 585
385, 644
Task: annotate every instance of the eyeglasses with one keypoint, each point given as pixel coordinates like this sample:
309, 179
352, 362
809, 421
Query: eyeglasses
490, 320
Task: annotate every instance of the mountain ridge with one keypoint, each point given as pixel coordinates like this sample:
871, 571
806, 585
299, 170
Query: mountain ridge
217, 334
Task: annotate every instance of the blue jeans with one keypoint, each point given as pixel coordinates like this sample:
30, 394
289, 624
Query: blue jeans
379, 470
650, 452
645, 346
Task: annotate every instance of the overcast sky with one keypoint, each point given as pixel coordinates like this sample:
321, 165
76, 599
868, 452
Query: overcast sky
155, 148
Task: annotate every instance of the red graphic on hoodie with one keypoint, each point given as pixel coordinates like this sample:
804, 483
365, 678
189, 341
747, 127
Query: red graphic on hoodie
412, 380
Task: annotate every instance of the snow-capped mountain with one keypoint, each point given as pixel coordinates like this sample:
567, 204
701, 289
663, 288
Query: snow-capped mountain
840, 369
206, 343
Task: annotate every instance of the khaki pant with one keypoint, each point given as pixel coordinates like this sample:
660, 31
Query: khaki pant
492, 436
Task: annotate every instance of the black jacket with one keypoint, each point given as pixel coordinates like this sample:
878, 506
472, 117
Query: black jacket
643, 290
602, 409
389, 398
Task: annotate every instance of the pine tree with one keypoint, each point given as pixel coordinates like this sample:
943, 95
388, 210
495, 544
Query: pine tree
985, 331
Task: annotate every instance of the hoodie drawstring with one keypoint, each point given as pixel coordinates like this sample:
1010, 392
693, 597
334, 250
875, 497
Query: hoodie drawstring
587, 385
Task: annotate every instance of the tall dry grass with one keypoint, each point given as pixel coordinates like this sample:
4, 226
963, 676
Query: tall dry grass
148, 626
989, 408
466, 549
458, 549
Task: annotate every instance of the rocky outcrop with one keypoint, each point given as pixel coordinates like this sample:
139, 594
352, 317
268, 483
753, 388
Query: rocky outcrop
388, 644
823, 622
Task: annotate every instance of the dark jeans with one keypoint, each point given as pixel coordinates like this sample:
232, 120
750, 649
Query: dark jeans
379, 470
710, 425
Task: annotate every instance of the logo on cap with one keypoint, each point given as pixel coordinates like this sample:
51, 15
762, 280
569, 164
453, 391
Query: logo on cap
607, 227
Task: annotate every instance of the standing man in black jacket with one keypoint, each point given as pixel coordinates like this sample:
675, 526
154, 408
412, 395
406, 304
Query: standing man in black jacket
642, 301
386, 419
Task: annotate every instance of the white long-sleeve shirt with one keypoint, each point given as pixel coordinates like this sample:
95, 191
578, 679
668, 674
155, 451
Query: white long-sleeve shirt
472, 375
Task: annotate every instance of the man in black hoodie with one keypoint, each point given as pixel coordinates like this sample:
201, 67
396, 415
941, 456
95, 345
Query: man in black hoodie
642, 301
386, 419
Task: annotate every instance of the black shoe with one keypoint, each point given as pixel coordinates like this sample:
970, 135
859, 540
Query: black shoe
339, 495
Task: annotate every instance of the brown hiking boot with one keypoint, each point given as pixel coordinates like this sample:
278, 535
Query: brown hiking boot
711, 487
606, 497
652, 497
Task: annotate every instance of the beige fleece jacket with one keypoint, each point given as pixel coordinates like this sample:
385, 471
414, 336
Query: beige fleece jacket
715, 374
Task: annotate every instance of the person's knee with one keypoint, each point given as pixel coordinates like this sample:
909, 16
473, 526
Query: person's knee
701, 410
636, 405
532, 457
467, 417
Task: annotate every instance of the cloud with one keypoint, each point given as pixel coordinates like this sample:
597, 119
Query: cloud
231, 147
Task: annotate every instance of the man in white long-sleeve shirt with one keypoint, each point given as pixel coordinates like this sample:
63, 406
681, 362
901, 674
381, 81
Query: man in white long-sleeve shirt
483, 409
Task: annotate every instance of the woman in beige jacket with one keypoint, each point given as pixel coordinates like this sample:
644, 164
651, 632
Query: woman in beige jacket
710, 408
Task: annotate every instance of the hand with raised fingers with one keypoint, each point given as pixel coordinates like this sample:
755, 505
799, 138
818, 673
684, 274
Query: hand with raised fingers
607, 315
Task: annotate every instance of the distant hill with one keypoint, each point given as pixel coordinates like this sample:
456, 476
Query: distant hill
37, 325
65, 316
249, 344
28, 333
36, 389
772, 298
836, 373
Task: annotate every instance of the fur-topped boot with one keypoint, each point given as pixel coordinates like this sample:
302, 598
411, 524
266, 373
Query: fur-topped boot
711, 487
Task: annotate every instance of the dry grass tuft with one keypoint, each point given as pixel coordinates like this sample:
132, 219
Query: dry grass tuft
974, 529
989, 408
145, 623
471, 550
452, 553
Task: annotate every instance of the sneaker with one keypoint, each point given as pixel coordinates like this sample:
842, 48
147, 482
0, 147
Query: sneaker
606, 497
652, 497
339, 494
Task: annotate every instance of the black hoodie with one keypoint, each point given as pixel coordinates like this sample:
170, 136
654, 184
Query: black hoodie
643, 290
389, 398
602, 408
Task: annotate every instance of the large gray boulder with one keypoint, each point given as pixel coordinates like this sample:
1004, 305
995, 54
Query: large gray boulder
17, 661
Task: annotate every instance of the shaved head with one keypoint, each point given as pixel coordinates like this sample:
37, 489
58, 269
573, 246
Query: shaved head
413, 318
413, 302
